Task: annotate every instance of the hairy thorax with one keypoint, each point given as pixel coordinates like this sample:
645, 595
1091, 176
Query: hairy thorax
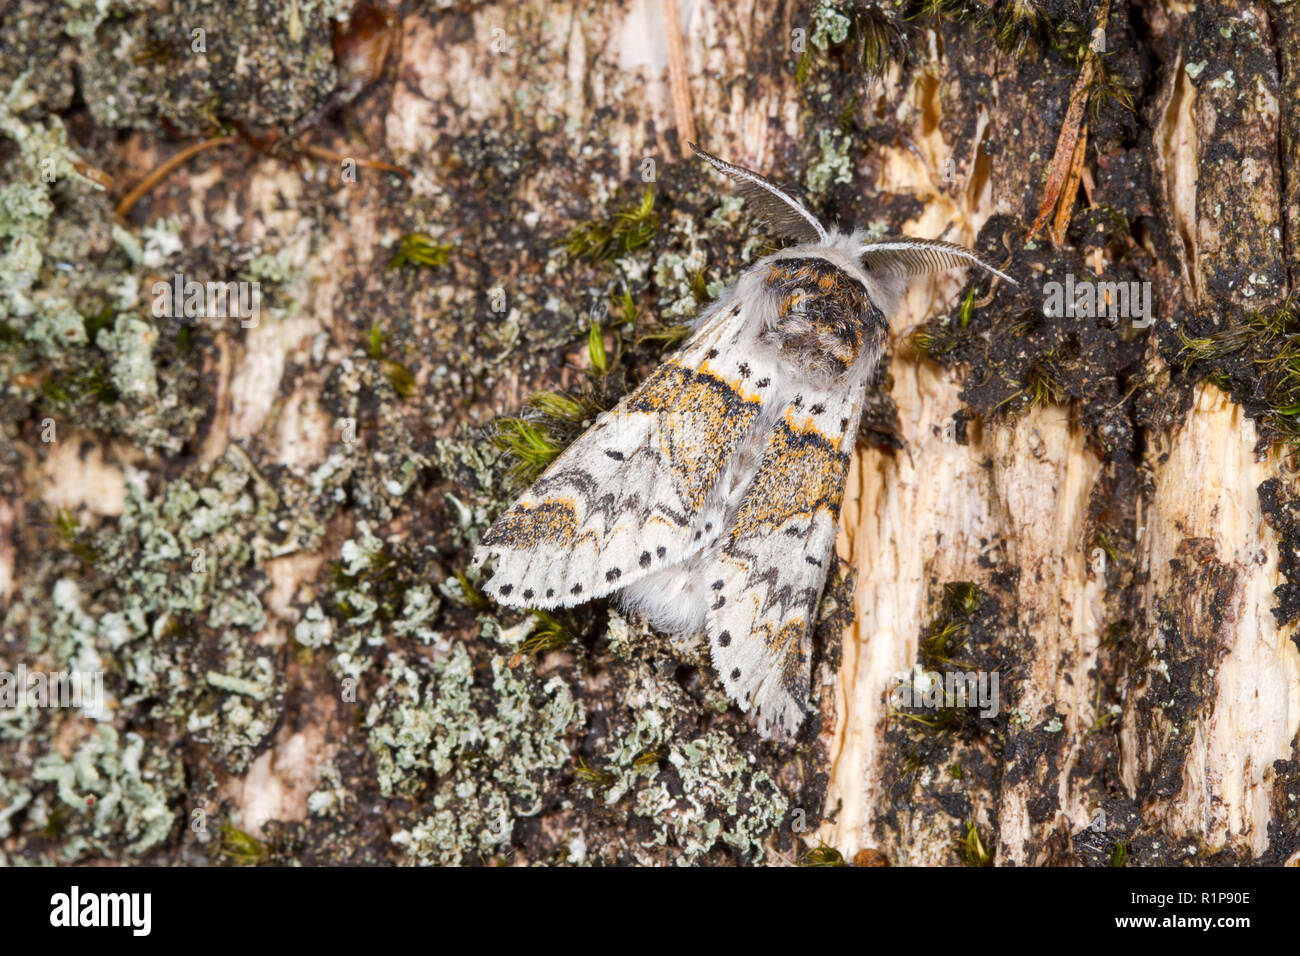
824, 318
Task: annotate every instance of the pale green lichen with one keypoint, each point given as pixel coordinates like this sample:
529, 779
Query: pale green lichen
161, 242
488, 757
51, 303
833, 164
141, 65
14, 797
723, 797
112, 795
129, 345
676, 270
187, 567
720, 794
313, 628
45, 162
330, 795
242, 685
830, 27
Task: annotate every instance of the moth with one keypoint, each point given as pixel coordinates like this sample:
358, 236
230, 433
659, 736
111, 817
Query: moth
708, 499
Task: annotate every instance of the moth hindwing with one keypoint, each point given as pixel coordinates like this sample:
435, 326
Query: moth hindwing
709, 498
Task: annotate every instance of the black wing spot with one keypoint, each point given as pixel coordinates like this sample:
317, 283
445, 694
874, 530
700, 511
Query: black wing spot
763, 383
811, 560
661, 551
645, 559
613, 574
735, 675
743, 369
798, 401
528, 595
844, 423
550, 592
713, 353
719, 602
697, 535
817, 409
506, 588
717, 585
724, 639
616, 455
576, 589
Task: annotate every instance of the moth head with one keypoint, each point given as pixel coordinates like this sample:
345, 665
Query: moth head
889, 264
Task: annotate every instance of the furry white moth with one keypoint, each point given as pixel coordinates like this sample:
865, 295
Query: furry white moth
708, 499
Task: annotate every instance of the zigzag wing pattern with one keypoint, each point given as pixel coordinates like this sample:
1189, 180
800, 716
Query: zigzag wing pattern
769, 575
623, 500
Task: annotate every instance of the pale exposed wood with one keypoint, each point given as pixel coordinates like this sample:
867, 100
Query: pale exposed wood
1205, 512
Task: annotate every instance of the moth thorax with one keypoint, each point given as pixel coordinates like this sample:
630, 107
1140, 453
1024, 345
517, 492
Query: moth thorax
824, 316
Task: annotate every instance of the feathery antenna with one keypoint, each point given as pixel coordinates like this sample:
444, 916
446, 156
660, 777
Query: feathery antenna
910, 257
776, 207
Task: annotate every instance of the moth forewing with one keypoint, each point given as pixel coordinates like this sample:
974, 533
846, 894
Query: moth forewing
770, 573
625, 499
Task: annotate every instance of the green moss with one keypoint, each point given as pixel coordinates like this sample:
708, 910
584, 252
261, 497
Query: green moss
942, 639
79, 543
596, 349
1018, 26
548, 634
932, 341
971, 848
1042, 386
240, 847
529, 445
421, 249
596, 779
1257, 360
572, 409
867, 36
626, 232
822, 855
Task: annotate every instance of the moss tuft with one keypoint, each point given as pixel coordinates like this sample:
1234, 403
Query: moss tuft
626, 232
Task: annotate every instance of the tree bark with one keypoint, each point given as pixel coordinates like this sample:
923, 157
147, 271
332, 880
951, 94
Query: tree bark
260, 535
